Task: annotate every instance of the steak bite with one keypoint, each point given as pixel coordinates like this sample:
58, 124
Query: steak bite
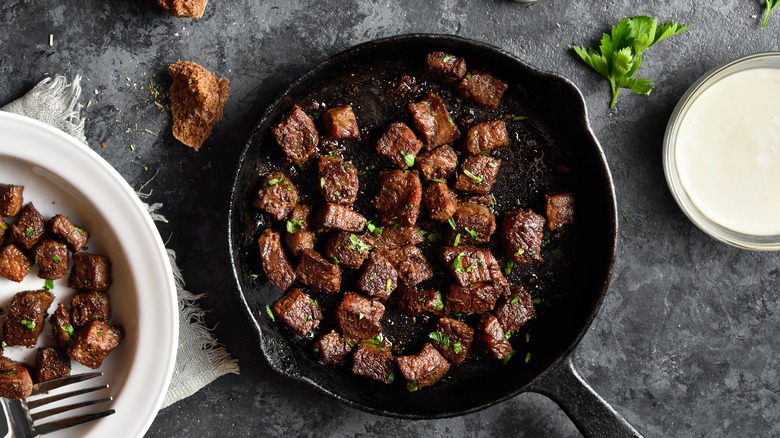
319, 274
298, 311
359, 318
61, 327
433, 121
338, 180
183, 8
299, 235
297, 135
29, 227
89, 306
515, 310
398, 200
197, 95
52, 259
560, 209
456, 338
15, 380
414, 302
90, 273
51, 363
277, 195
350, 249
398, 237
411, 264
338, 217
438, 164
471, 265
273, 259
332, 347
26, 316
445, 67
475, 298
522, 233
64, 231
423, 369
374, 361
474, 222
340, 123
482, 88
477, 174
440, 201
485, 137
11, 199
491, 337
91, 344
14, 263
399, 145
378, 278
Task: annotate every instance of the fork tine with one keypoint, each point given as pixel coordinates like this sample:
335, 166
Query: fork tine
32, 404
40, 388
48, 413
54, 426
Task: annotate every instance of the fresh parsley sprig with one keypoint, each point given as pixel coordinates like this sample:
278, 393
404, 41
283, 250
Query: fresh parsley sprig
620, 53
770, 6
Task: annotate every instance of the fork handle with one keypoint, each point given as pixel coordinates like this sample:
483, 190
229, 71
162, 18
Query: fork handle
12, 416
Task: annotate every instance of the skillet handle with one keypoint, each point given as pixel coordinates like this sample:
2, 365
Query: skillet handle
592, 415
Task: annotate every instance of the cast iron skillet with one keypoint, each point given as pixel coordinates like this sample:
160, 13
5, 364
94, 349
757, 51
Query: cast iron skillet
554, 148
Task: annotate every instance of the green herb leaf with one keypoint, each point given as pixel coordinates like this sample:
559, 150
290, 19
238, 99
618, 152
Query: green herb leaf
361, 315
476, 178
376, 340
519, 118
255, 276
528, 357
294, 225
557, 253
29, 324
391, 378
81, 230
472, 233
408, 158
413, 386
437, 180
451, 221
439, 303
48, 285
508, 334
457, 348
510, 264
623, 214
389, 284
335, 261
270, 313
3, 227
29, 232
357, 244
446, 58
770, 6
519, 252
457, 263
440, 338
434, 236
457, 240
515, 300
527, 337
536, 301
373, 228
507, 357
56, 259
274, 181
68, 329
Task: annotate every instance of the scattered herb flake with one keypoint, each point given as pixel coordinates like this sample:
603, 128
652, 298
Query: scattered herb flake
408, 158
29, 232
357, 244
413, 386
294, 225
508, 334
322, 182
519, 252
472, 233
335, 261
437, 180
457, 263
515, 300
439, 303
510, 264
440, 338
519, 118
391, 378
527, 337
434, 236
56, 259
557, 253
451, 221
270, 313
476, 178
457, 348
457, 240
254, 276
48, 285
624, 215
507, 357
27, 323
274, 181
389, 284
527, 357
373, 228
68, 329
536, 300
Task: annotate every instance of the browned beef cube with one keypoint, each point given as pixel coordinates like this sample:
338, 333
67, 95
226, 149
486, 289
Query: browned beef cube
64, 230
29, 227
438, 164
440, 201
522, 233
91, 344
560, 209
398, 201
316, 272
433, 121
26, 316
61, 326
3, 230
482, 87
378, 278
298, 311
515, 310
414, 301
358, 317
332, 347
471, 265
297, 135
374, 361
411, 264
14, 263
398, 237
90, 272
340, 122
485, 137
491, 336
51, 363
338, 217
474, 298
488, 201
445, 67
477, 174
423, 369
299, 235
350, 249
15, 380
399, 145
474, 222
277, 195
11, 199
89, 306
52, 259
338, 180
273, 259
402, 85
454, 339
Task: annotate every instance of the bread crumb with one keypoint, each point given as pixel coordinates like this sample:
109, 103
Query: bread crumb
184, 8
197, 97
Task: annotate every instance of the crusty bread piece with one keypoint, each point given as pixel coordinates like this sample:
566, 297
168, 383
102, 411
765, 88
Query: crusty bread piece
184, 8
197, 96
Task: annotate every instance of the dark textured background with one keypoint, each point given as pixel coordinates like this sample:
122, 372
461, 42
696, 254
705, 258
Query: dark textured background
686, 341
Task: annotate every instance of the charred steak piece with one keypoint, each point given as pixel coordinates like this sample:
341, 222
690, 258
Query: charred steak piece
515, 310
438, 164
399, 145
15, 380
423, 369
475, 298
340, 123
414, 302
445, 67
90, 273
522, 233
398, 201
273, 259
374, 361
61, 327
378, 278
350, 249
482, 88
11, 199
52, 259
338, 217
93, 343
14, 263
485, 137
433, 121
51, 363
332, 348
297, 135
89, 306
491, 336
298, 311
471, 265
474, 222
29, 227
319, 274
299, 235
26, 315
454, 339
477, 174
359, 318
440, 201
560, 209
411, 264
338, 180
398, 237
64, 231
277, 195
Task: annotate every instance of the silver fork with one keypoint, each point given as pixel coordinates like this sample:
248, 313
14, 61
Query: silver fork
20, 417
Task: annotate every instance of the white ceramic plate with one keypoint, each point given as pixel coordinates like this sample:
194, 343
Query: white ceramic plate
61, 175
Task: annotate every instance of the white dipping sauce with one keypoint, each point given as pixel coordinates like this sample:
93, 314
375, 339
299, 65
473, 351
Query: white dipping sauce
728, 152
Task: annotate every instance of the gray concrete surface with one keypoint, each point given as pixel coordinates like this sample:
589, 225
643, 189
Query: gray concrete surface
686, 341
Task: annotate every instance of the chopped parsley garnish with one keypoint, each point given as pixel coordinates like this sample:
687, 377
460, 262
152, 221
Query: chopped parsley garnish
376, 340
457, 263
294, 225
452, 122
335, 261
434, 236
29, 232
515, 300
357, 244
557, 253
476, 178
438, 180
527, 337
3, 227
472, 233
546, 237
519, 252
56, 259
274, 181
507, 357
519, 118
361, 315
440, 338
373, 228
510, 264
408, 207
322, 182
29, 324
508, 334
81, 230
408, 158
446, 58
624, 215
493, 164
68, 329
457, 348
389, 284
413, 386
255, 276
270, 313
451, 221
536, 300
528, 357
48, 285
439, 303
390, 378
457, 240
